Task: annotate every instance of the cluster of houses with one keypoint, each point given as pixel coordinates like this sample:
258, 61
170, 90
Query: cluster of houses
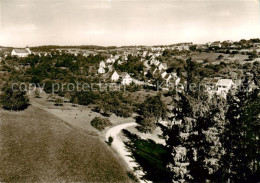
123, 77
152, 66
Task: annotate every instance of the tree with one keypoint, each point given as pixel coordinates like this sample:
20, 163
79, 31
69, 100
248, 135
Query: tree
190, 70
147, 124
100, 123
58, 101
193, 139
152, 110
241, 137
110, 140
14, 99
153, 107
37, 93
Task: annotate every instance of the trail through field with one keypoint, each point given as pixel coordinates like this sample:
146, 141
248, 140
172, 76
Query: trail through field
120, 148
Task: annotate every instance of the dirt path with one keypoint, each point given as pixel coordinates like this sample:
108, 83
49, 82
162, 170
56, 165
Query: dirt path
120, 148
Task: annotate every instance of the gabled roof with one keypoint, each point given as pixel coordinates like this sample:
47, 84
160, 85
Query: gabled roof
116, 72
123, 74
164, 65
210, 81
225, 82
168, 76
20, 50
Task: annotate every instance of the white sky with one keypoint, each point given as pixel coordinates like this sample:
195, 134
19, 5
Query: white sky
126, 22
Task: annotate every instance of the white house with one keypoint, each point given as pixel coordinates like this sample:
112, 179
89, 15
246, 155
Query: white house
119, 62
115, 76
21, 52
126, 78
257, 45
154, 62
101, 70
164, 74
102, 64
216, 44
110, 61
162, 66
223, 86
167, 78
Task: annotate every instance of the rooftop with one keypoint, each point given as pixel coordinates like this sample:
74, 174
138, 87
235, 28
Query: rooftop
225, 82
21, 50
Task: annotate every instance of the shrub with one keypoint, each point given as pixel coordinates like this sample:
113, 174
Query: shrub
100, 123
37, 93
58, 102
146, 124
110, 140
132, 176
14, 99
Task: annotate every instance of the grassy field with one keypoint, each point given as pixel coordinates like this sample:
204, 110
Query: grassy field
35, 146
152, 157
213, 57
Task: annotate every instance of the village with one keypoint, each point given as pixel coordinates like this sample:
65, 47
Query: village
155, 68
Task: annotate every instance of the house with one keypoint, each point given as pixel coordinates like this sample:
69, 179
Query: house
163, 74
115, 77
110, 68
102, 64
125, 78
153, 71
101, 70
216, 44
162, 66
181, 48
146, 71
167, 78
154, 62
257, 45
210, 83
119, 62
21, 52
110, 61
223, 86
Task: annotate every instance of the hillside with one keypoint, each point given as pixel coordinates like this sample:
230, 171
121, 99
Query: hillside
36, 146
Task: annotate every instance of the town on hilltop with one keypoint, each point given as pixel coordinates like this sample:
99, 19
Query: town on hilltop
145, 65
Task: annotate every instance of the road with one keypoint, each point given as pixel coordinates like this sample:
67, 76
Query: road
118, 144
120, 148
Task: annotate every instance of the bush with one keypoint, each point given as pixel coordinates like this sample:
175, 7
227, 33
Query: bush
132, 176
110, 140
14, 99
100, 123
58, 102
37, 93
146, 124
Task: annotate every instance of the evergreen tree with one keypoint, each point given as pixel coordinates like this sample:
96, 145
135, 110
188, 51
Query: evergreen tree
241, 137
193, 139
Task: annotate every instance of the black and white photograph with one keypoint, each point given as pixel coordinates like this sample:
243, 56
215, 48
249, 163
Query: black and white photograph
120, 91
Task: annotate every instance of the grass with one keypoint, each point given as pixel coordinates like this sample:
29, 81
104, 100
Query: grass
212, 57
152, 157
35, 146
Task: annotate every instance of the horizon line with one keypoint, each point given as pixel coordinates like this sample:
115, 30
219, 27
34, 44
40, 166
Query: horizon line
123, 45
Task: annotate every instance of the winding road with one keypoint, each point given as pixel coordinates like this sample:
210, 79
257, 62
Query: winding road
123, 152
119, 145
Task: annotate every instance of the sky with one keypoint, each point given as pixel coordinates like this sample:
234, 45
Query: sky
126, 22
